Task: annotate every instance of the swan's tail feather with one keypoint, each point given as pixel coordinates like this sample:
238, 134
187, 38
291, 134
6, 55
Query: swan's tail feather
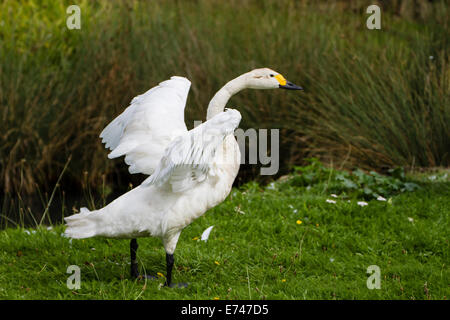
81, 225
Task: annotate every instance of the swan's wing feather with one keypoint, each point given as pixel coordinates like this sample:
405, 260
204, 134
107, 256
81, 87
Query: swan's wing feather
144, 129
189, 158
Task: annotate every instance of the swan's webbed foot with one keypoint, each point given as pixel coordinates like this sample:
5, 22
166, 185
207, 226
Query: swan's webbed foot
143, 276
176, 285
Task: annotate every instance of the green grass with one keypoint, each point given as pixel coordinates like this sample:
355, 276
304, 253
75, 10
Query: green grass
260, 249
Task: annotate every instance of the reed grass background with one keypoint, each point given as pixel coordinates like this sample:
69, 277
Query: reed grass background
373, 98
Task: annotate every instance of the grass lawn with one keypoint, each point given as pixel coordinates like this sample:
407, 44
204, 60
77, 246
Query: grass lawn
281, 241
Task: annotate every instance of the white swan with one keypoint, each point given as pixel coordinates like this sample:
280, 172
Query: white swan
190, 171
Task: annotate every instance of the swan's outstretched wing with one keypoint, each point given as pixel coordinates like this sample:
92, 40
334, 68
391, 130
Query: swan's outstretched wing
189, 158
144, 130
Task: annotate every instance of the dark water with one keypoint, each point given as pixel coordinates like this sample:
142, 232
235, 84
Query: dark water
28, 210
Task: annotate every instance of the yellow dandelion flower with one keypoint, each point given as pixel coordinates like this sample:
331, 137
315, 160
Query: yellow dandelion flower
299, 222
160, 274
317, 224
216, 298
217, 262
283, 280
195, 238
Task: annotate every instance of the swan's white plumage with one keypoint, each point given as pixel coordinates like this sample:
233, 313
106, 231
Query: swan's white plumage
190, 171
189, 157
148, 125
184, 168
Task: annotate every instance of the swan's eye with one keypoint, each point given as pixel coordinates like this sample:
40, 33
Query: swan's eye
272, 75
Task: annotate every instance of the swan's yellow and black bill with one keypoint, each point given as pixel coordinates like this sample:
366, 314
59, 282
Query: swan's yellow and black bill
284, 84
290, 86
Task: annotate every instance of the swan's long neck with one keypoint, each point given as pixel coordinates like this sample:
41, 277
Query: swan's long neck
220, 99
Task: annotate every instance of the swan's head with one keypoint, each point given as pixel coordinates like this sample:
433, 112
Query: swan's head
266, 78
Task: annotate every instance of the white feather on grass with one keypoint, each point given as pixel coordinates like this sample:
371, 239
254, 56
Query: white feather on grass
205, 234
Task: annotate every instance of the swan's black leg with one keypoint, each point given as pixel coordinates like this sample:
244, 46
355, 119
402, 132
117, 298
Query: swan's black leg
134, 265
169, 261
169, 265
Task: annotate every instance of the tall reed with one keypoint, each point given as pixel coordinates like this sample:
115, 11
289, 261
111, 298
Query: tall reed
372, 98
